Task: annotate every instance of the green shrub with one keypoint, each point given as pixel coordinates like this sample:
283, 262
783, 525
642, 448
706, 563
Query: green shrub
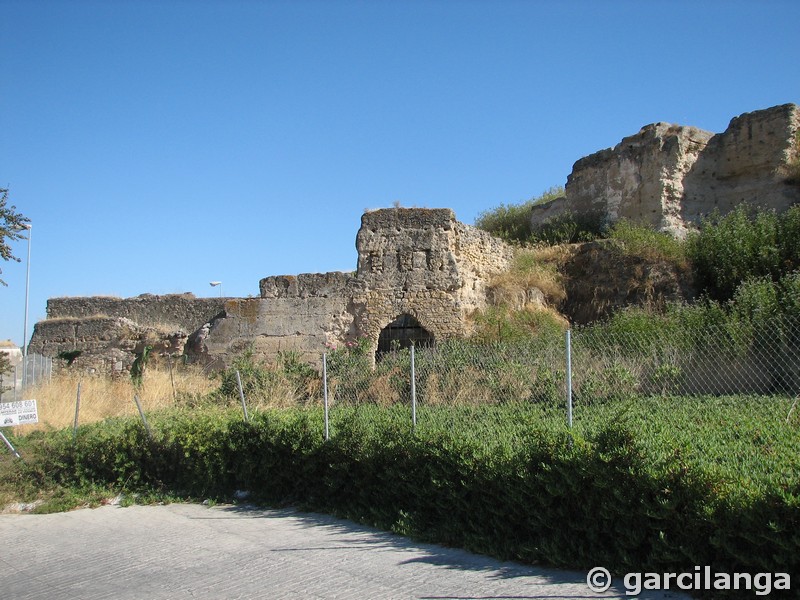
611, 383
569, 228
741, 245
289, 380
512, 222
645, 242
658, 485
505, 324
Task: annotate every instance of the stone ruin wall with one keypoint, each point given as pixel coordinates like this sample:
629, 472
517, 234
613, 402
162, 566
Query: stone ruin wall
173, 311
420, 262
671, 176
424, 263
299, 313
109, 332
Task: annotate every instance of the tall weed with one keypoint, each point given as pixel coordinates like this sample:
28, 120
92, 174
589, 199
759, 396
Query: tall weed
645, 242
744, 244
512, 222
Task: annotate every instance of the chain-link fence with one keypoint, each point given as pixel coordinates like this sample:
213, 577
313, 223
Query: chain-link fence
32, 369
452, 372
710, 359
590, 364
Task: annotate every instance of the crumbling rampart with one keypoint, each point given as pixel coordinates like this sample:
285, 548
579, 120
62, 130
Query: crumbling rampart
420, 272
420, 265
173, 311
671, 176
105, 333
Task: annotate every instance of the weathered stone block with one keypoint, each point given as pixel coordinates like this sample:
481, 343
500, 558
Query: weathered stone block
670, 176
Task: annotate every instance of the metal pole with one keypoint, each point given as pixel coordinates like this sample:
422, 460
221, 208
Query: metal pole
413, 390
15, 384
141, 414
569, 378
325, 392
27, 291
241, 395
77, 411
171, 377
8, 444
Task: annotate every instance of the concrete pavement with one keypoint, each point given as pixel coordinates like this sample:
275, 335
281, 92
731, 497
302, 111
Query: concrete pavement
228, 552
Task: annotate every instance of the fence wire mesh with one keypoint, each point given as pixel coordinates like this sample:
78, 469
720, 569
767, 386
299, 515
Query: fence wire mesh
676, 359
608, 363
31, 370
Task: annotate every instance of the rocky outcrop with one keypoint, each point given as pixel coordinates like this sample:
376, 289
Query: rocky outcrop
600, 278
671, 176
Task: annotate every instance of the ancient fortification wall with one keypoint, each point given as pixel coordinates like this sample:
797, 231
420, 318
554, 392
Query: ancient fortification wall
417, 262
174, 311
421, 271
420, 263
670, 176
105, 333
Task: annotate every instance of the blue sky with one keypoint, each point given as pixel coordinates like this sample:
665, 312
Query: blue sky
158, 146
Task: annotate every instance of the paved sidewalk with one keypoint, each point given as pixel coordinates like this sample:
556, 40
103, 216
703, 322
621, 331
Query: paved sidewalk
227, 552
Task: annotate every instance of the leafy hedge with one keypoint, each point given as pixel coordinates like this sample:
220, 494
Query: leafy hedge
635, 487
749, 344
728, 250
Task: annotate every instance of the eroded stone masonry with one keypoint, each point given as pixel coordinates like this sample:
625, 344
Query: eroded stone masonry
671, 176
420, 272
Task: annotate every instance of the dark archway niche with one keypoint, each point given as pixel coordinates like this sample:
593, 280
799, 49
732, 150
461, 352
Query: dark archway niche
401, 333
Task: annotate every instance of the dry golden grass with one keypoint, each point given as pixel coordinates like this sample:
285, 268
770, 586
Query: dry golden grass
284, 392
103, 397
532, 269
456, 388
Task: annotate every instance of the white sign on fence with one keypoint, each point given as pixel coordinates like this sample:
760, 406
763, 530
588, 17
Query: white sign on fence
23, 412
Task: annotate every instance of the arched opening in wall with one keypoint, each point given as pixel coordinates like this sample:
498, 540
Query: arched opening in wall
401, 333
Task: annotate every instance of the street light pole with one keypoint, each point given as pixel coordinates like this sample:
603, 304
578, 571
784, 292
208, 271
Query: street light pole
217, 284
25, 325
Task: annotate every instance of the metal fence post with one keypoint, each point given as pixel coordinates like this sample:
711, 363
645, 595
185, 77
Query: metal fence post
241, 395
569, 377
172, 377
325, 391
413, 390
77, 411
9, 446
141, 414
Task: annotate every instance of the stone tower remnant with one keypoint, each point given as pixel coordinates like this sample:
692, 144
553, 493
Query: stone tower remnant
671, 176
